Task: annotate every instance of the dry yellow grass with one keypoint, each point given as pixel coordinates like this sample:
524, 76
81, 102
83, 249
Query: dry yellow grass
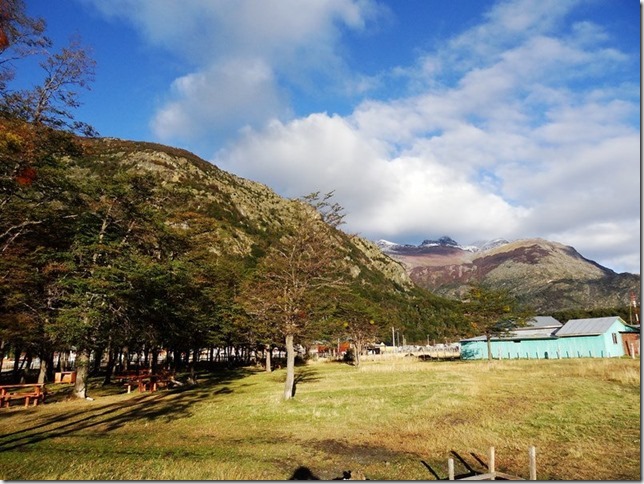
380, 420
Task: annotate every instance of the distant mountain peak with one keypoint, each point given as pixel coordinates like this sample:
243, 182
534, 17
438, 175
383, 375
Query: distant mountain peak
549, 275
443, 241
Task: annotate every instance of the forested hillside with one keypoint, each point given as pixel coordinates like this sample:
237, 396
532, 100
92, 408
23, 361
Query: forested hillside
107, 244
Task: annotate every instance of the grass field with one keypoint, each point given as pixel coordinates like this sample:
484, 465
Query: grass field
379, 420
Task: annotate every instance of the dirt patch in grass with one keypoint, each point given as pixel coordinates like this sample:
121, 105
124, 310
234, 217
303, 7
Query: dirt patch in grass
356, 452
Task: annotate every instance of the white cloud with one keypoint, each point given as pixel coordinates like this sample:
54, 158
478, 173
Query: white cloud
383, 195
233, 94
241, 52
518, 126
204, 29
531, 140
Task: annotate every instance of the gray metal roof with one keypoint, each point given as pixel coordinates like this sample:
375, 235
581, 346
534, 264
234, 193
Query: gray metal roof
589, 326
519, 333
543, 321
542, 327
537, 327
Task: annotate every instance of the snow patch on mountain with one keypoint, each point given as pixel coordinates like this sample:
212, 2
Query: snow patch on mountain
490, 244
445, 241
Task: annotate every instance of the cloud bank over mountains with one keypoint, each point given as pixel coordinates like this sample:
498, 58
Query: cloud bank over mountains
524, 124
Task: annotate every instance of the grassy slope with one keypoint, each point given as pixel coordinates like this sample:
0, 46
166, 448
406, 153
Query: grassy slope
583, 416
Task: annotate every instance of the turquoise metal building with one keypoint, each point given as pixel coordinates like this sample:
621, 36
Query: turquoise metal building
546, 338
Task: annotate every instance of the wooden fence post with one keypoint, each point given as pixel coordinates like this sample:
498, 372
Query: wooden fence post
491, 466
532, 452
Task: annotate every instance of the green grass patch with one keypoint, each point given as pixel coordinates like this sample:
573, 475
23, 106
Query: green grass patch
379, 420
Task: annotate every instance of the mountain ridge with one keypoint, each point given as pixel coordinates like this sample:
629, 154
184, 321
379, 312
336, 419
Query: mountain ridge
549, 275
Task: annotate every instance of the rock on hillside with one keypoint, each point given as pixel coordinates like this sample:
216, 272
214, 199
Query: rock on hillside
547, 275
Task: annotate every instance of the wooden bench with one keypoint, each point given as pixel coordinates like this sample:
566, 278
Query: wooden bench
30, 392
65, 377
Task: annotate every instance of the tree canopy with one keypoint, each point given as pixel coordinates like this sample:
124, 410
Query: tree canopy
113, 248
493, 312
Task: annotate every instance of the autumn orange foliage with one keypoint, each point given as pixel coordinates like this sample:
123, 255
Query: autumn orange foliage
27, 176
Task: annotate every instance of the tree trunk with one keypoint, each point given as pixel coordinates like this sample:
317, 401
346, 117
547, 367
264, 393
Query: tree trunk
63, 360
111, 361
98, 356
50, 367
192, 366
290, 368
489, 346
82, 370
358, 352
154, 363
25, 367
2, 347
44, 364
17, 351
126, 359
268, 350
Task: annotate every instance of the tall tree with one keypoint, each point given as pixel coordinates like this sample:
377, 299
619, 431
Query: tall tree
39, 206
52, 102
286, 285
493, 312
20, 36
116, 226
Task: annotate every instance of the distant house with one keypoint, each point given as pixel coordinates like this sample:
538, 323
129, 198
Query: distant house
544, 337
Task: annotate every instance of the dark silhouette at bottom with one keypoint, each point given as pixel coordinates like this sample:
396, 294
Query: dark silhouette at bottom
303, 474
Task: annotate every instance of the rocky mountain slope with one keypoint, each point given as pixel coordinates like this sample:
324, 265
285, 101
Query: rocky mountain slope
547, 275
166, 238
242, 215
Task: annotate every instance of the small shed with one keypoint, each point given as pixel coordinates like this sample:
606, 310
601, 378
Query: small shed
544, 337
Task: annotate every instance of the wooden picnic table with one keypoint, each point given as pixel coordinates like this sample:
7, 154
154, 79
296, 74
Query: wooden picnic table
30, 392
144, 380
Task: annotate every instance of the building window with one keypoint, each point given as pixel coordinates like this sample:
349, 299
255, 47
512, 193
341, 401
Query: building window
614, 338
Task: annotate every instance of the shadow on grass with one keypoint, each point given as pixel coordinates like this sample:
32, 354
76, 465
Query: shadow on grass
303, 473
304, 376
162, 405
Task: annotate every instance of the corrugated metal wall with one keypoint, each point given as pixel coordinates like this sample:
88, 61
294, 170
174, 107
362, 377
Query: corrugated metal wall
607, 345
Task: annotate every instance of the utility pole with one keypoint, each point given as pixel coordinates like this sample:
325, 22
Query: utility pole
393, 338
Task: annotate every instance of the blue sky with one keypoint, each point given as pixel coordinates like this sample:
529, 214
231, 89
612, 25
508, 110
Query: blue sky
473, 119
